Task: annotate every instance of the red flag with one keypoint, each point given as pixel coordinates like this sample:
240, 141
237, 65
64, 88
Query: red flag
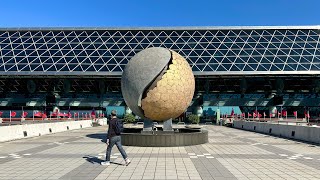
270, 115
249, 115
259, 115
254, 114
242, 114
75, 114
62, 114
69, 113
37, 114
13, 114
305, 113
93, 113
295, 113
284, 113
1, 113
24, 114
232, 112
44, 115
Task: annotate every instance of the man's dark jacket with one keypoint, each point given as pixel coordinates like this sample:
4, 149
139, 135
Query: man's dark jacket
112, 127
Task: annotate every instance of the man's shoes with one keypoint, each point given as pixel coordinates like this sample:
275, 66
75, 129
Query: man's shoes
127, 161
105, 163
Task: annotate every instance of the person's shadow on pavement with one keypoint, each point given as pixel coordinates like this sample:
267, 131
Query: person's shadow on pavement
117, 163
95, 160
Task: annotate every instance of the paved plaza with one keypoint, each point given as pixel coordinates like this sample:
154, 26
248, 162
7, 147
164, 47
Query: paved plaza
230, 154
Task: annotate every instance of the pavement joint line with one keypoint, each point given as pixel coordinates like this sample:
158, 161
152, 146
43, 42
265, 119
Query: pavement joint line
296, 156
283, 155
255, 144
307, 158
13, 154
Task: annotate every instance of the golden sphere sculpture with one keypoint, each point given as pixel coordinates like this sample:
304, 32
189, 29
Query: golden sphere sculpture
158, 84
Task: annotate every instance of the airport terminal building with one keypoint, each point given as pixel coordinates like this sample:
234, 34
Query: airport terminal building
80, 68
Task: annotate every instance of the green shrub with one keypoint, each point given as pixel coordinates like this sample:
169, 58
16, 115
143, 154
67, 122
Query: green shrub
129, 118
193, 118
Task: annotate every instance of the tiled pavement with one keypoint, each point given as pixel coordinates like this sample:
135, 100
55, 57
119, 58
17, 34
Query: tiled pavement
230, 154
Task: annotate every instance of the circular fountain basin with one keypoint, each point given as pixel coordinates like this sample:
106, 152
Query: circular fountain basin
181, 136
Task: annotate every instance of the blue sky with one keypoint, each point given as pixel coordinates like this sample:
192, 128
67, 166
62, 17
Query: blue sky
117, 13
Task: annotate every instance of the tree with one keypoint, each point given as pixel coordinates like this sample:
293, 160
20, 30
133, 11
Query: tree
129, 118
193, 118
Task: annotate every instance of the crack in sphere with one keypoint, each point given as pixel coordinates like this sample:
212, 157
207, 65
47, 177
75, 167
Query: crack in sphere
169, 93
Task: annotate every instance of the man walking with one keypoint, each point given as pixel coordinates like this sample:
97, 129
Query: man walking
113, 138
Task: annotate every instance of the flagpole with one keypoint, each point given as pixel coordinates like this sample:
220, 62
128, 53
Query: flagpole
253, 116
286, 115
10, 117
270, 114
33, 115
308, 116
256, 111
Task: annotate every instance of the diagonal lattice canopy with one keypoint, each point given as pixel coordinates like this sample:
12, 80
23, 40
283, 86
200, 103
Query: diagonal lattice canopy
209, 51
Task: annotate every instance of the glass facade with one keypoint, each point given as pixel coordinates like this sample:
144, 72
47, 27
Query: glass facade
210, 51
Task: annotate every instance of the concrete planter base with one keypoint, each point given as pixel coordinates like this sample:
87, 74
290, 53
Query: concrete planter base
164, 139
